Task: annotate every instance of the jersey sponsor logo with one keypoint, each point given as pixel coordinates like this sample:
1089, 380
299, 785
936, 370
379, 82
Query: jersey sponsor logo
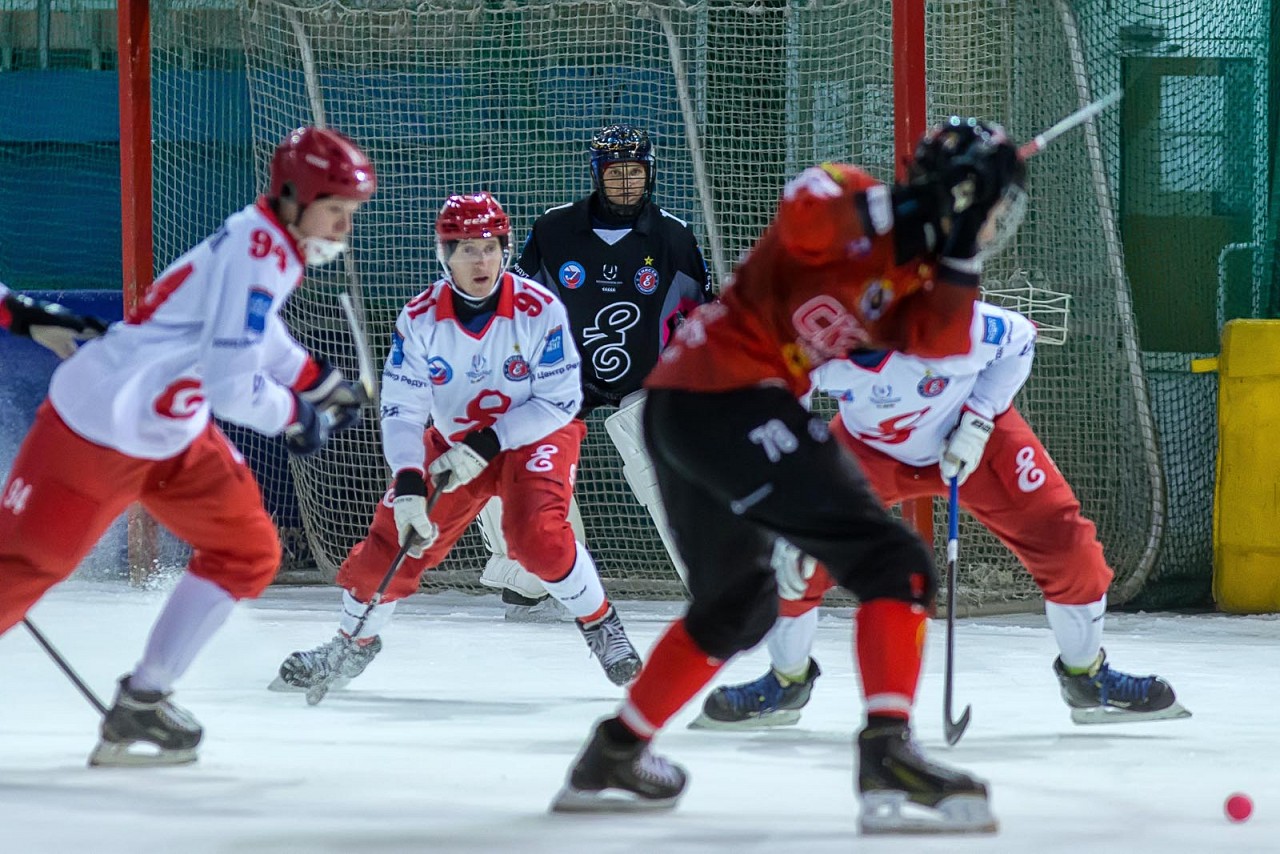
516, 368
883, 396
827, 331
388, 410
397, 349
255, 313
540, 459
479, 368
439, 371
895, 429
610, 272
932, 386
182, 399
607, 340
993, 329
1030, 476
553, 351
647, 280
572, 275
482, 411
775, 438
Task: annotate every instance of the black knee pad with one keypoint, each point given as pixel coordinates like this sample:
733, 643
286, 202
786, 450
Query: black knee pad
903, 569
735, 623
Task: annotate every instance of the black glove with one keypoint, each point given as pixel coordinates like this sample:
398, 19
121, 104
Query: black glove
49, 324
309, 430
974, 185
332, 393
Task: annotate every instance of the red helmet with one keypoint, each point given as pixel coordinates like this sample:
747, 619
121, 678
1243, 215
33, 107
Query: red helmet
314, 162
474, 215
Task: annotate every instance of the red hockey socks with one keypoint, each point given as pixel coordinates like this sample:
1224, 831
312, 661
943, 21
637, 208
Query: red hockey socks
676, 670
889, 644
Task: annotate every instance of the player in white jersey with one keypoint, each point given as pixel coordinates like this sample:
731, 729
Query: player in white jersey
129, 418
913, 424
46, 323
486, 358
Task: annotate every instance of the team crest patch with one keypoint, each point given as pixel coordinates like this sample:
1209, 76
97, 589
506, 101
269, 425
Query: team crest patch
438, 371
875, 299
397, 350
646, 280
572, 275
992, 329
516, 368
553, 352
932, 386
255, 313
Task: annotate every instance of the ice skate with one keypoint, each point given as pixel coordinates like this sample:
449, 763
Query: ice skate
903, 792
611, 776
166, 733
771, 700
1104, 696
611, 646
302, 671
525, 609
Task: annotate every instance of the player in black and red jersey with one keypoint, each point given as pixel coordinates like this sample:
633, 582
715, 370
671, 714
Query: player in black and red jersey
847, 264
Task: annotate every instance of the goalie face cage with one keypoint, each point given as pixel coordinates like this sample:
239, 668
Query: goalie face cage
738, 96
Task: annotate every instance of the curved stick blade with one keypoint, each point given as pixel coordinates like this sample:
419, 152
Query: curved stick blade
954, 730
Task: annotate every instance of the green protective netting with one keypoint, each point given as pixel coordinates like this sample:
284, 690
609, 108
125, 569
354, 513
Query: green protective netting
1155, 221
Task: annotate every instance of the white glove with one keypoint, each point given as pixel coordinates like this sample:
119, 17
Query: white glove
463, 464
793, 569
60, 340
410, 508
962, 450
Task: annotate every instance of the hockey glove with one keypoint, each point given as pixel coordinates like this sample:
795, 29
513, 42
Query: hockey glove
48, 324
467, 459
974, 190
410, 508
793, 569
962, 450
308, 432
331, 392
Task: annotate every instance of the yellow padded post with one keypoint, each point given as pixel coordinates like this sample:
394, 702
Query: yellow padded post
1246, 510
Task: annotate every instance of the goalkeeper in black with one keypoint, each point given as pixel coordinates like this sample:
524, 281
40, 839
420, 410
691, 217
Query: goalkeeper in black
628, 272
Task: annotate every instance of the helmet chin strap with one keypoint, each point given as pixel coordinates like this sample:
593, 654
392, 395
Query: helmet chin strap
317, 251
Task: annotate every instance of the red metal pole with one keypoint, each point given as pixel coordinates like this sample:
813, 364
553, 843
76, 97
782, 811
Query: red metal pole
133, 38
909, 123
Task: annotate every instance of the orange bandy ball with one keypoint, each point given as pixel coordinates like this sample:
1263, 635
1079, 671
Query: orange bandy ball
1239, 807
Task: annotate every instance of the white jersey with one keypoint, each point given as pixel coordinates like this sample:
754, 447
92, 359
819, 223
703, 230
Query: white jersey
207, 338
519, 373
906, 406
4, 291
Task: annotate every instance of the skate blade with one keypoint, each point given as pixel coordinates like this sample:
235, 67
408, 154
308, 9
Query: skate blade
893, 813
1112, 715
782, 717
280, 686
111, 754
571, 800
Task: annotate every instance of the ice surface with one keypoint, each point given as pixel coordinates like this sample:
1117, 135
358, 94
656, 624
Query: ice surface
456, 738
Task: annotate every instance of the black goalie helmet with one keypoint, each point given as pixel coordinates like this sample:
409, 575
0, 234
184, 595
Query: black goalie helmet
965, 163
622, 144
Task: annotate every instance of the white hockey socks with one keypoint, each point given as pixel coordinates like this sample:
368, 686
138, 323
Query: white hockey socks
790, 643
1078, 630
580, 591
196, 609
353, 609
